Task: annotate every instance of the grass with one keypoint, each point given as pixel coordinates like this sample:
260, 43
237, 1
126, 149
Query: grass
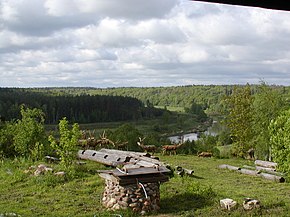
79, 194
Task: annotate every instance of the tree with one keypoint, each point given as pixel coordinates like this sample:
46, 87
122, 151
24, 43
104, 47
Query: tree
7, 131
29, 133
127, 133
239, 119
67, 146
196, 110
280, 141
266, 106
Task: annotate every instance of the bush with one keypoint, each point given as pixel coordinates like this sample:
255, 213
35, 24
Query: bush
24, 137
280, 141
207, 143
67, 146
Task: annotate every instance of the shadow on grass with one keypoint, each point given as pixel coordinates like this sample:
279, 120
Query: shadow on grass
197, 177
184, 202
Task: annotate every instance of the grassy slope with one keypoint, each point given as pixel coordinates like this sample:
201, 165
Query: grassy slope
194, 196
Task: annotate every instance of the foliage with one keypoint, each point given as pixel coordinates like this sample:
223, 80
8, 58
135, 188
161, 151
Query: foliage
77, 108
224, 138
29, 133
197, 110
24, 137
207, 143
239, 119
280, 141
7, 148
266, 106
127, 133
100, 104
188, 147
67, 146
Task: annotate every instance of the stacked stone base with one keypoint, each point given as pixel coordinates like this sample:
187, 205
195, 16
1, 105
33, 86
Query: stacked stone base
134, 196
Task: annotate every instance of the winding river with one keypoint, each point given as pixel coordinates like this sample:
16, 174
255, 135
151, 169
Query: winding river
213, 130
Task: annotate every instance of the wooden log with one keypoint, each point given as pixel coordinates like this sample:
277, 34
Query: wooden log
229, 167
272, 177
267, 169
264, 169
267, 164
138, 155
188, 172
107, 159
248, 172
252, 172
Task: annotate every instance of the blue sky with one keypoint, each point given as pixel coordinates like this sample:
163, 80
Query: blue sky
113, 43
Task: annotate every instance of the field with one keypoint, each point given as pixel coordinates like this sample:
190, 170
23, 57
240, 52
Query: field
79, 193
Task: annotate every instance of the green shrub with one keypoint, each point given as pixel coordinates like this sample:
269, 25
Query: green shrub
67, 146
280, 141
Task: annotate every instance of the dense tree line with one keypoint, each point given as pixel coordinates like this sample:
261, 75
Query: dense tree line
77, 108
209, 97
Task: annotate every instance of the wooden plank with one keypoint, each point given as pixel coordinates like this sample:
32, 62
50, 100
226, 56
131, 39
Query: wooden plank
109, 177
143, 163
126, 180
136, 171
146, 170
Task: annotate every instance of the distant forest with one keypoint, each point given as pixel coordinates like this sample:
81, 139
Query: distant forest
77, 108
210, 97
89, 105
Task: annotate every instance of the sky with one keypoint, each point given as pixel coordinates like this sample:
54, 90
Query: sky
140, 43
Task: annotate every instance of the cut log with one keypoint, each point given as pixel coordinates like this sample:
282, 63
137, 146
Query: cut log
272, 177
248, 172
182, 171
229, 167
267, 164
264, 169
252, 172
267, 169
188, 172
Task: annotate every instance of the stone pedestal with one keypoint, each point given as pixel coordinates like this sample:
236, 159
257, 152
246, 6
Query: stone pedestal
142, 198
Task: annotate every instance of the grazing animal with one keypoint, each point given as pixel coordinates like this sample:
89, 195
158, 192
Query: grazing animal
171, 148
147, 148
205, 154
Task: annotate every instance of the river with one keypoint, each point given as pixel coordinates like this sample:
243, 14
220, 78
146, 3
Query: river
213, 130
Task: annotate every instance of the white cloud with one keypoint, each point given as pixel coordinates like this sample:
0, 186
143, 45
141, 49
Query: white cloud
140, 43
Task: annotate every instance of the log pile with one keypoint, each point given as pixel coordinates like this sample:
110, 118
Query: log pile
141, 198
263, 169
